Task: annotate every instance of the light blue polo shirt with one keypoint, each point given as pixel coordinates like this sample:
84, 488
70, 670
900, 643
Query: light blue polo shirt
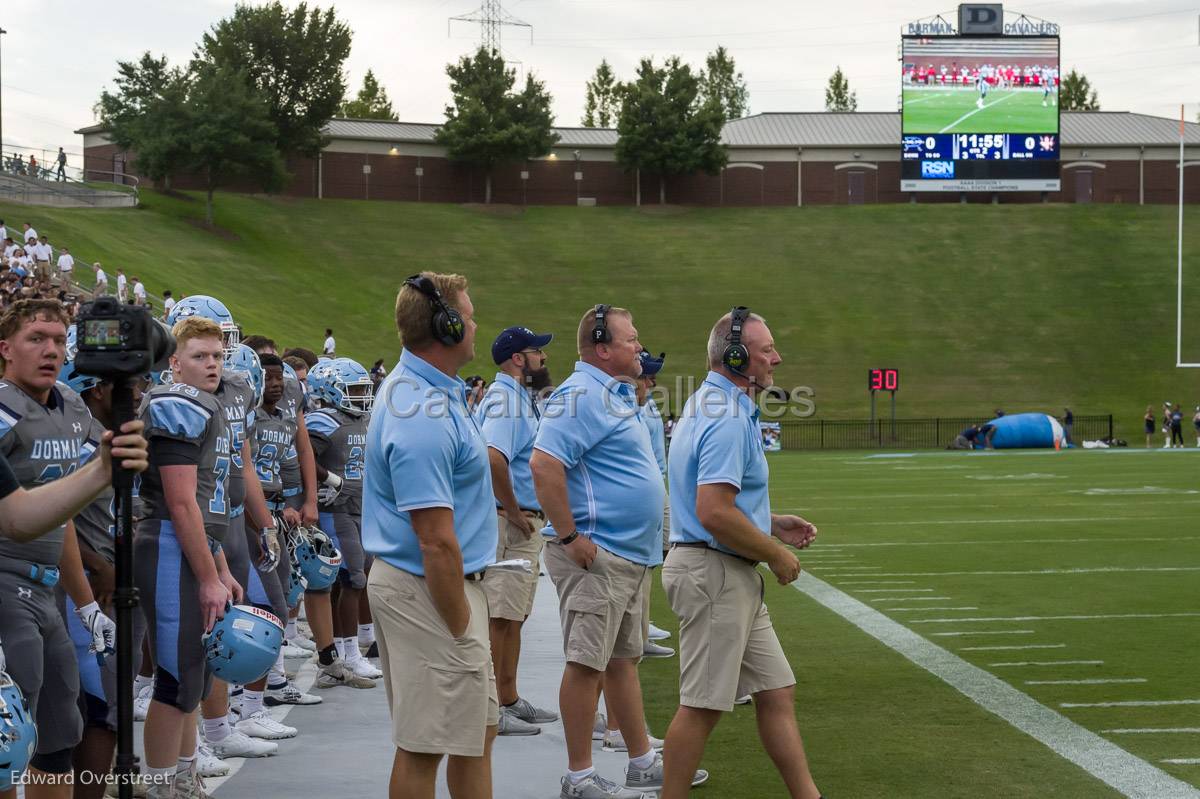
592, 426
425, 450
509, 421
717, 440
658, 439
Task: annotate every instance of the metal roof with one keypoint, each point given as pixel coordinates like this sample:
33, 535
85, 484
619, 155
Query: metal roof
417, 132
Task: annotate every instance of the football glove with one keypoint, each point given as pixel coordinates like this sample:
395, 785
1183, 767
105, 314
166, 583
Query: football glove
329, 490
101, 627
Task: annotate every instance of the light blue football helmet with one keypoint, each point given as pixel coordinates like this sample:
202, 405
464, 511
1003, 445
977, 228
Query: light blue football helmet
244, 645
343, 383
316, 558
209, 308
244, 361
18, 733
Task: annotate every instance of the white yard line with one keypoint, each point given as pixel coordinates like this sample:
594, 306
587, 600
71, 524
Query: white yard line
1102, 759
1097, 681
893, 590
1015, 572
922, 609
1022, 646
1064, 618
911, 599
1048, 663
1008, 542
1183, 761
1040, 520
880, 582
1135, 703
982, 632
1151, 731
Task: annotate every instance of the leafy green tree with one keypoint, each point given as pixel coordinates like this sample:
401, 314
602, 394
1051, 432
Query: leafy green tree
838, 96
603, 103
232, 134
371, 103
147, 115
1075, 93
721, 82
665, 127
489, 124
293, 58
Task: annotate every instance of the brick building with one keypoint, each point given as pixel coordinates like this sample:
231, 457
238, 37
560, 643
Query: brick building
774, 159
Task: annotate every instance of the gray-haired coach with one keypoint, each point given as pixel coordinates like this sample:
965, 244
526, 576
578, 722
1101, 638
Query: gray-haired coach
721, 529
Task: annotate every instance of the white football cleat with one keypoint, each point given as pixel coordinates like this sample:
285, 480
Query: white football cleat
259, 724
239, 744
141, 705
208, 764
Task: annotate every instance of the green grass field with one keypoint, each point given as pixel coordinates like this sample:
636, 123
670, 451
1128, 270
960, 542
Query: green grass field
936, 537
955, 111
978, 306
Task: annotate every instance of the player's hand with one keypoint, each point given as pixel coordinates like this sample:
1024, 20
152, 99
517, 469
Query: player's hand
328, 491
129, 448
582, 551
519, 520
785, 566
232, 586
101, 628
104, 583
268, 544
214, 596
309, 514
793, 531
292, 518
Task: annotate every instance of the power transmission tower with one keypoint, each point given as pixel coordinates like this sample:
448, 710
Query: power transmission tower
491, 17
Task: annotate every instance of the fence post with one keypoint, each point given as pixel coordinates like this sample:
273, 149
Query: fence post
937, 431
822, 433
1110, 427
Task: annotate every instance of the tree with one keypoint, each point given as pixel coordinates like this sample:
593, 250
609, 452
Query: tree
838, 96
371, 103
488, 124
722, 83
603, 98
665, 127
293, 58
1076, 94
147, 115
232, 134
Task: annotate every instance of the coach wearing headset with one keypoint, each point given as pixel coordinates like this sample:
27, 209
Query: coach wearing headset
429, 519
721, 529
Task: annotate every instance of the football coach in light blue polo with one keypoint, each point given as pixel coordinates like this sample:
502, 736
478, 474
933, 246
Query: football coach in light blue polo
429, 519
721, 529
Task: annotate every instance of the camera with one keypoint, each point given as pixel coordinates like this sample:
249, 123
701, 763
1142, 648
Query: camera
115, 340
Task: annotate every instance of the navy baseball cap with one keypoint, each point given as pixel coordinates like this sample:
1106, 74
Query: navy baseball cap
651, 365
514, 339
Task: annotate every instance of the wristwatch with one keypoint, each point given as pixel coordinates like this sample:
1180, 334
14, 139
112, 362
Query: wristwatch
569, 538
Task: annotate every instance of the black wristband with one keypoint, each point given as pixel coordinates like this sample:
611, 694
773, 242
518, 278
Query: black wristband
569, 538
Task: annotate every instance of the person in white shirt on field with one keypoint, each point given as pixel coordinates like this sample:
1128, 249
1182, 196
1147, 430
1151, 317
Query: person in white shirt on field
330, 345
66, 266
29, 233
42, 253
101, 281
3, 231
168, 304
139, 291
122, 286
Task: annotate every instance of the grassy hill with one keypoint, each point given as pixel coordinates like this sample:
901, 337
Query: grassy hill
1020, 307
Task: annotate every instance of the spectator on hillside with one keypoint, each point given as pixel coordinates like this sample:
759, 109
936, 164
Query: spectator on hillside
378, 372
42, 253
330, 348
1149, 421
21, 262
62, 165
1196, 424
28, 232
122, 286
1166, 425
101, 287
66, 266
1068, 422
168, 304
139, 291
33, 165
3, 231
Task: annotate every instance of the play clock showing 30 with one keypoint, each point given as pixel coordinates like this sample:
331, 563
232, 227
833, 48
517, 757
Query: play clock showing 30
883, 379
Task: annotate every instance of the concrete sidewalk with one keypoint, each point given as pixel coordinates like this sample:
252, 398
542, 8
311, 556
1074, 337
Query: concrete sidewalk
344, 748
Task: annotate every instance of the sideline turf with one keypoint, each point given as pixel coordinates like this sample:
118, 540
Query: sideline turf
1019, 307
875, 725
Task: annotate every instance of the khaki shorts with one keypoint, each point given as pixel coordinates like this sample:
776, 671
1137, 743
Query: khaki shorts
441, 690
43, 270
727, 645
510, 593
600, 607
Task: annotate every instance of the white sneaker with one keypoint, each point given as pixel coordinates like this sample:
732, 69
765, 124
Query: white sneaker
239, 744
290, 651
259, 724
303, 642
658, 633
743, 700
289, 694
339, 673
364, 668
615, 742
141, 705
208, 764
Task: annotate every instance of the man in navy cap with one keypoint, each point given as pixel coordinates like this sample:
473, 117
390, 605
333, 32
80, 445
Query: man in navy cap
508, 419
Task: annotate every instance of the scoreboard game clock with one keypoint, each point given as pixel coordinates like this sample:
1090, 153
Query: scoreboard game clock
883, 380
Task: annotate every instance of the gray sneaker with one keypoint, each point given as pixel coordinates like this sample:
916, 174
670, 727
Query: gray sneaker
511, 724
652, 778
525, 711
190, 785
653, 650
596, 787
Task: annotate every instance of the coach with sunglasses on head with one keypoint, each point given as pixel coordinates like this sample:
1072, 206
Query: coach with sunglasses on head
429, 519
721, 529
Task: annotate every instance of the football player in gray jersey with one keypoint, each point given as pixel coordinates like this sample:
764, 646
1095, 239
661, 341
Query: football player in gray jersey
44, 434
95, 528
180, 569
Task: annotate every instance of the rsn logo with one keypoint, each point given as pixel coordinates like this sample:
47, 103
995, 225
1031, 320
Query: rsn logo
937, 169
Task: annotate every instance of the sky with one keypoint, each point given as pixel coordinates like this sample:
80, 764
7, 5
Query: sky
58, 56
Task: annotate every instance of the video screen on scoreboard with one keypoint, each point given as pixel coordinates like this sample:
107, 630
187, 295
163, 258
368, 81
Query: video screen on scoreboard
980, 113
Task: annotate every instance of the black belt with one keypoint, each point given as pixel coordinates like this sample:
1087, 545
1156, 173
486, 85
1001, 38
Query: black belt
702, 545
475, 577
539, 514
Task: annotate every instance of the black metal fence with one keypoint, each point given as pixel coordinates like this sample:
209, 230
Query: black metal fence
935, 433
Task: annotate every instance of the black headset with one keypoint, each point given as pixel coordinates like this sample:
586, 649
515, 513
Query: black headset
446, 324
600, 334
736, 357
